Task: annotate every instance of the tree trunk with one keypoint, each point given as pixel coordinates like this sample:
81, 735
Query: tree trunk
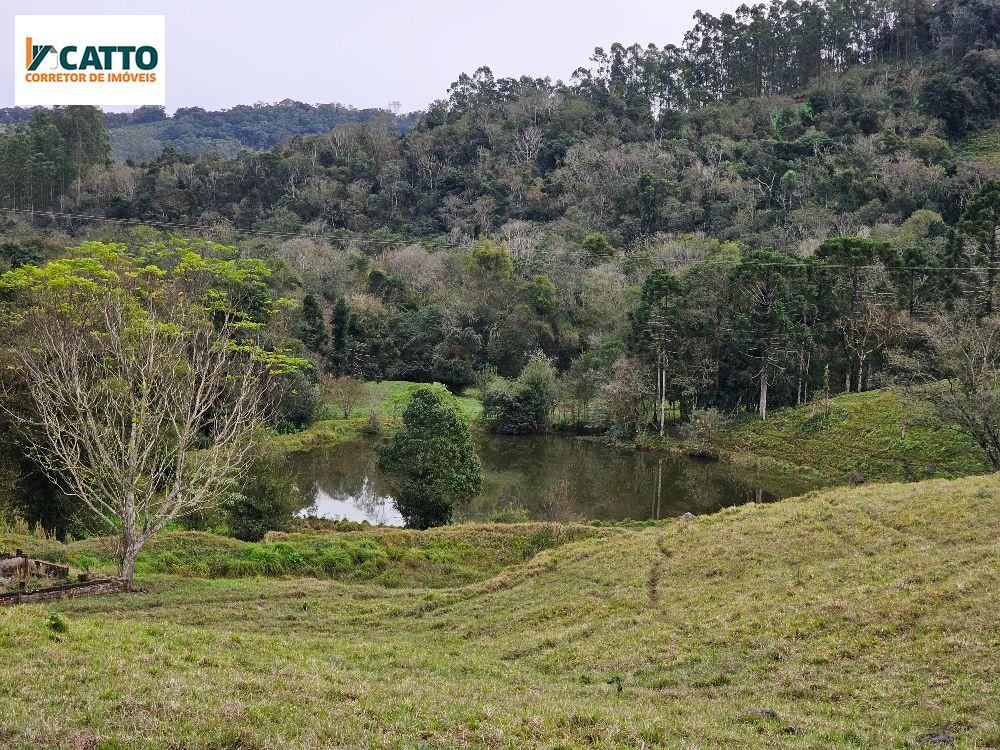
826, 390
662, 386
991, 277
130, 551
763, 389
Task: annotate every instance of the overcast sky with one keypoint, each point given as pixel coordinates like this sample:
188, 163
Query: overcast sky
370, 52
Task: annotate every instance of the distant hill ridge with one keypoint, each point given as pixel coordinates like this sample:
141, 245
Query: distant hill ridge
142, 134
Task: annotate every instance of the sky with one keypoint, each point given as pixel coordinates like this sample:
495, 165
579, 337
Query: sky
369, 53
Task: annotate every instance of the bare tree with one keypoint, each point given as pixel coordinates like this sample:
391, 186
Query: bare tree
141, 406
346, 392
958, 368
625, 396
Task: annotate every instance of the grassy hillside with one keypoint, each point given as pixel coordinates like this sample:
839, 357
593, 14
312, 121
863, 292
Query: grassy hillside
851, 618
872, 436
387, 399
391, 557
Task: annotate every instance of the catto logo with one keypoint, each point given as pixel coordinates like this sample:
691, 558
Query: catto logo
89, 60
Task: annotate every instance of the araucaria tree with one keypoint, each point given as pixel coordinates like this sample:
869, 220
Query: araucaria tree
767, 305
430, 461
144, 379
981, 221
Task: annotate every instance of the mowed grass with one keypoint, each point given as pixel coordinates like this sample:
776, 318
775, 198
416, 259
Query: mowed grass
386, 399
866, 437
848, 618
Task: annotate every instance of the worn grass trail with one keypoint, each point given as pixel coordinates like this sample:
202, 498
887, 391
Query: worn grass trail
851, 618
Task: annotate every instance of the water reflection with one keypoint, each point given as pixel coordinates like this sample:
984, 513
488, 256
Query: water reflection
551, 476
342, 483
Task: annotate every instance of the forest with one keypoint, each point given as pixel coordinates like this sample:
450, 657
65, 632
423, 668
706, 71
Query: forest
801, 200
666, 397
142, 134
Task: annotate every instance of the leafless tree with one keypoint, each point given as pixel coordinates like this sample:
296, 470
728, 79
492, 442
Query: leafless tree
346, 392
143, 412
957, 368
626, 394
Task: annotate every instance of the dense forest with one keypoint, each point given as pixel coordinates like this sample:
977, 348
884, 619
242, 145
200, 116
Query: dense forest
773, 210
145, 132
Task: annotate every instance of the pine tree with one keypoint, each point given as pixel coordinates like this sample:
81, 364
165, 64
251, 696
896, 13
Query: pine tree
342, 325
312, 329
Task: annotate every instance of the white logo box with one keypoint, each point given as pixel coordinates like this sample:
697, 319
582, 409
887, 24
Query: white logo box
93, 85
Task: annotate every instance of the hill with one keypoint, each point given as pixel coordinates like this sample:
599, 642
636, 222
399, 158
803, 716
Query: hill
872, 436
143, 134
852, 618
224, 133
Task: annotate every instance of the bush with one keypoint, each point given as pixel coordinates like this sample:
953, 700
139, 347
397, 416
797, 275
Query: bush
57, 623
266, 500
523, 406
702, 430
509, 513
373, 425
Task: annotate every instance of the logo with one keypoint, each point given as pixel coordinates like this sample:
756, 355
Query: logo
89, 60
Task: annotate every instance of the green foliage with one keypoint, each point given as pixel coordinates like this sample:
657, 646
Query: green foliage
981, 221
313, 332
430, 461
13, 255
948, 99
45, 156
522, 406
57, 622
597, 245
266, 499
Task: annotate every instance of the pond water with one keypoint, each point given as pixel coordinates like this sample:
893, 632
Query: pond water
553, 477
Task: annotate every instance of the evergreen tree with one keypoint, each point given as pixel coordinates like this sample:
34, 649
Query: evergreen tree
430, 461
767, 299
342, 327
312, 328
981, 222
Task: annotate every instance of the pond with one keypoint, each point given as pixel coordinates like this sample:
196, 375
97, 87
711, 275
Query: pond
553, 477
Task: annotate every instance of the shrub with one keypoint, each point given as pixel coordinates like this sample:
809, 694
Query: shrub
702, 430
373, 425
541, 539
266, 500
57, 622
509, 513
522, 406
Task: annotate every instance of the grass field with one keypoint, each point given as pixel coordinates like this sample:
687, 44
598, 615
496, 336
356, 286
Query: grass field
872, 436
390, 557
386, 398
848, 618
